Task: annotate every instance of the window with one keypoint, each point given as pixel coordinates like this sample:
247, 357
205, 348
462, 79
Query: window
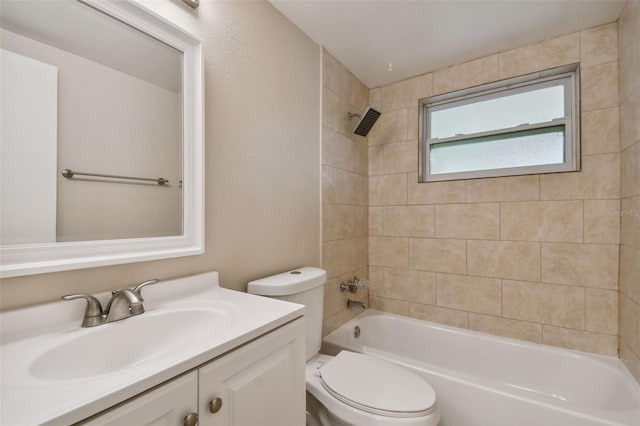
523, 125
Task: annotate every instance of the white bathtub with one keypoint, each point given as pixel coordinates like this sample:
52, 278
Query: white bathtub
486, 380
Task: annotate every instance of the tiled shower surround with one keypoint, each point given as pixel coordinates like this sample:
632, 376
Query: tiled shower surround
534, 257
344, 190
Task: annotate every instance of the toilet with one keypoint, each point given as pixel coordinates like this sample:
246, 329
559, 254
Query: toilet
349, 388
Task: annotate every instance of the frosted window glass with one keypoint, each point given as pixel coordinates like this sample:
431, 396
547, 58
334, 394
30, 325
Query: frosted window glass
536, 106
515, 149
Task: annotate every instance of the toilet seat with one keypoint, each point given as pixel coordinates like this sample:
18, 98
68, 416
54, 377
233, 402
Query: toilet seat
377, 386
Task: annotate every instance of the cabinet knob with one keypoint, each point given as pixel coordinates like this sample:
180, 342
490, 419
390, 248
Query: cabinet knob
191, 419
215, 405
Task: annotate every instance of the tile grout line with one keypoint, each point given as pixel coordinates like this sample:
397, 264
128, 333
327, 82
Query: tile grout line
585, 309
540, 249
501, 298
466, 255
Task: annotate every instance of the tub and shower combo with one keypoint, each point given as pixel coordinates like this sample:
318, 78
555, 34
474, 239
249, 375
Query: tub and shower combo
483, 380
451, 376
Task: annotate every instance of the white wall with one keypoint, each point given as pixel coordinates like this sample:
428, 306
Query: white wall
262, 144
27, 152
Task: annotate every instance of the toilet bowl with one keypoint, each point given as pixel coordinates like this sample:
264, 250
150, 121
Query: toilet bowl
350, 388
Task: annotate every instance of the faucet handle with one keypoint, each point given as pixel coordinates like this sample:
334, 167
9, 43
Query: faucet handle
93, 312
140, 286
359, 283
353, 286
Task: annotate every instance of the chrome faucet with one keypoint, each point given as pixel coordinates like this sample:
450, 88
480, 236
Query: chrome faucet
93, 314
124, 303
356, 304
353, 285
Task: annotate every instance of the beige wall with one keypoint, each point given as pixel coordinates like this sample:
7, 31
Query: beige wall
111, 122
629, 51
344, 189
262, 156
532, 257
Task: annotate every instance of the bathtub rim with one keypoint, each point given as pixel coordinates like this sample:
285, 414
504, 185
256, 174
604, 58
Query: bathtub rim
610, 361
334, 342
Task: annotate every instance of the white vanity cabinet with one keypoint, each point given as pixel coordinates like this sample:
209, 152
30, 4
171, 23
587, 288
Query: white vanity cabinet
261, 383
258, 384
166, 405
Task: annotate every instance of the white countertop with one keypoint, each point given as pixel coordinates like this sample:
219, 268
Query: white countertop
26, 397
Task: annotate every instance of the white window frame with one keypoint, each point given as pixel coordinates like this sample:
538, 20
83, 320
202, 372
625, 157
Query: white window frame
571, 122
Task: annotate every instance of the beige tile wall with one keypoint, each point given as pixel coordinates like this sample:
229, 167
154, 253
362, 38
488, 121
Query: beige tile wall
629, 95
530, 257
344, 190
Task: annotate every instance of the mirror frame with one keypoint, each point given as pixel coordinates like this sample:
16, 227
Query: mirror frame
31, 259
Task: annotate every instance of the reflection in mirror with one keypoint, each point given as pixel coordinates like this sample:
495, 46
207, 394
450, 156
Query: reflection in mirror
99, 87
81, 90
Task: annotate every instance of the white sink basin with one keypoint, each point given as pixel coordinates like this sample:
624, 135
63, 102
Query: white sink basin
112, 347
52, 371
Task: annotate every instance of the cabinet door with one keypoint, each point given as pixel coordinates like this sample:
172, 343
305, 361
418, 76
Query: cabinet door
260, 384
166, 405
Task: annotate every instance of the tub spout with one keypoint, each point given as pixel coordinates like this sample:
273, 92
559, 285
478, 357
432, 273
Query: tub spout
356, 304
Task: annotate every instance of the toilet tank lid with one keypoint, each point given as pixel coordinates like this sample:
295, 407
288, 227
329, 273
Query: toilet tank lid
290, 282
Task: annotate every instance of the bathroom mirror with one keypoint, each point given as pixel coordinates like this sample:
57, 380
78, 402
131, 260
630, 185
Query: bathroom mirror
101, 143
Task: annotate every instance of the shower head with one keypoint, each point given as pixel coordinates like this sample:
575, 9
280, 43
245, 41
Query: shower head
367, 120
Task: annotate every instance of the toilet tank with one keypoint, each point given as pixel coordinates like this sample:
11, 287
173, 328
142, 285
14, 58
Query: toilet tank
304, 286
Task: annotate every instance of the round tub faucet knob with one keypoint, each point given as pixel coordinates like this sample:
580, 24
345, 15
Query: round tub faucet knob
353, 285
